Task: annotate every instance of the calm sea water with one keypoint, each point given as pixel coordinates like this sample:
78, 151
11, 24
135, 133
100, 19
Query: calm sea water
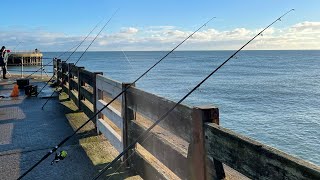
270, 96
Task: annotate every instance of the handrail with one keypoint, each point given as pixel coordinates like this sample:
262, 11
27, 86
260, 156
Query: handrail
193, 129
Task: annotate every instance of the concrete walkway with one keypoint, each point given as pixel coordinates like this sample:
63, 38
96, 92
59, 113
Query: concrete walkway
27, 133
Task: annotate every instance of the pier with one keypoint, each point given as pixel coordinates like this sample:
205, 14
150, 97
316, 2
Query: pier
188, 144
27, 133
31, 58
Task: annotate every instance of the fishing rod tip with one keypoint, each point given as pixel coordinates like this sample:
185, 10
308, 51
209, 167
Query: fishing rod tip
209, 20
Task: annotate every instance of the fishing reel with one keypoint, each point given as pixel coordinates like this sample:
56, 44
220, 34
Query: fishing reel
59, 156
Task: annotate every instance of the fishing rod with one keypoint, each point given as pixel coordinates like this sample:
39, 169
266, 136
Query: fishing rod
67, 138
139, 76
62, 82
17, 46
56, 147
144, 136
76, 45
68, 56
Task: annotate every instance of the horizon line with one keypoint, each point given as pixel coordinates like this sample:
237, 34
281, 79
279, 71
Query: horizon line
194, 50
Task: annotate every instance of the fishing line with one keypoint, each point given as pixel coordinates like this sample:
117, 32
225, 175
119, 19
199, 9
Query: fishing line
62, 142
128, 60
146, 134
67, 138
81, 56
68, 56
189, 83
96, 36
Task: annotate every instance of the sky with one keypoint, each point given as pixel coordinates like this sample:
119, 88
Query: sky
159, 25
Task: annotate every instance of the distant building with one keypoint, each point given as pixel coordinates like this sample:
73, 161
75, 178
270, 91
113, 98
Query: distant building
27, 58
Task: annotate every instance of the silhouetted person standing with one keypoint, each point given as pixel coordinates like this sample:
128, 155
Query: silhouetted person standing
2, 62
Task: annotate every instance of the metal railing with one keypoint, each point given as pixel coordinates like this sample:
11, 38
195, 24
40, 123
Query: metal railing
39, 70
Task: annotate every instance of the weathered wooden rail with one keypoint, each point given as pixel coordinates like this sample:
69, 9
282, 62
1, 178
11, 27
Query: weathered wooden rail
188, 144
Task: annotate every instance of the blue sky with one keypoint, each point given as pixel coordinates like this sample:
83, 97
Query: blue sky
158, 25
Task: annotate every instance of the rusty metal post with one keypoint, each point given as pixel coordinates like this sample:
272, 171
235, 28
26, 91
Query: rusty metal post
201, 167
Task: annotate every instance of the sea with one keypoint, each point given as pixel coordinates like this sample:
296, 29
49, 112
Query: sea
270, 96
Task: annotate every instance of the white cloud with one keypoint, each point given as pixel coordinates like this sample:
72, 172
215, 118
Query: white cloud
176, 33
238, 32
304, 35
161, 27
130, 30
306, 26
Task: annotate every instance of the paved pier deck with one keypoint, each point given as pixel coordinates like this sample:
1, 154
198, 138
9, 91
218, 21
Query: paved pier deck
27, 133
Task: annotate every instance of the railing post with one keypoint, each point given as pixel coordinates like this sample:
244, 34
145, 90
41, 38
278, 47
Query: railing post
127, 115
99, 95
41, 69
58, 70
71, 76
95, 95
70, 66
21, 67
80, 84
54, 61
201, 167
63, 71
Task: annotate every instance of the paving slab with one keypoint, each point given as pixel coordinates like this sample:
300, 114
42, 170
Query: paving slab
27, 133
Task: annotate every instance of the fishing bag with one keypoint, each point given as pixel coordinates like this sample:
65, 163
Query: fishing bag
22, 83
31, 90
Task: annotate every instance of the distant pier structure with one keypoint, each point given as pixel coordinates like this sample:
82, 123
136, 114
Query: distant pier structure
30, 58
